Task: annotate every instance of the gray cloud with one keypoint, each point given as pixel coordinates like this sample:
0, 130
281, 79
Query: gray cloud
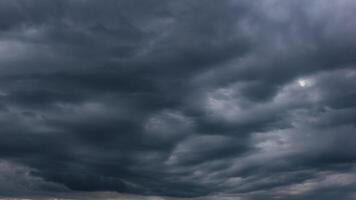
171, 99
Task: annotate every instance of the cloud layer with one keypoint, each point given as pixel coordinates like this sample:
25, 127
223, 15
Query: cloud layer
238, 99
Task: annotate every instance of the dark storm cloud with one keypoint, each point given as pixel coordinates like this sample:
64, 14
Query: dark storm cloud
200, 99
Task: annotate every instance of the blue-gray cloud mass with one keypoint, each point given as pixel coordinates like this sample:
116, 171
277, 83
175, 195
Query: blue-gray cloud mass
164, 99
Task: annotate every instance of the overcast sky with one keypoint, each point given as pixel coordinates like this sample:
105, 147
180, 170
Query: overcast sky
171, 99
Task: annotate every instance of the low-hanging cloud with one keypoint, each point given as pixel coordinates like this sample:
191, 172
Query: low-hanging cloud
158, 99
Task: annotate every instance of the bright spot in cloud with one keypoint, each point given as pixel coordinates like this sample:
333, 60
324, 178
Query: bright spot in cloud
303, 83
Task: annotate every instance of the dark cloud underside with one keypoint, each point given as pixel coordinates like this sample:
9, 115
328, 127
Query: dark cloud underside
207, 99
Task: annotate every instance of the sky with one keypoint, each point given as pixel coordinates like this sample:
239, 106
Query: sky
178, 99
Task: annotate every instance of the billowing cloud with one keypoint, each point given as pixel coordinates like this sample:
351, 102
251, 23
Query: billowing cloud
163, 99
